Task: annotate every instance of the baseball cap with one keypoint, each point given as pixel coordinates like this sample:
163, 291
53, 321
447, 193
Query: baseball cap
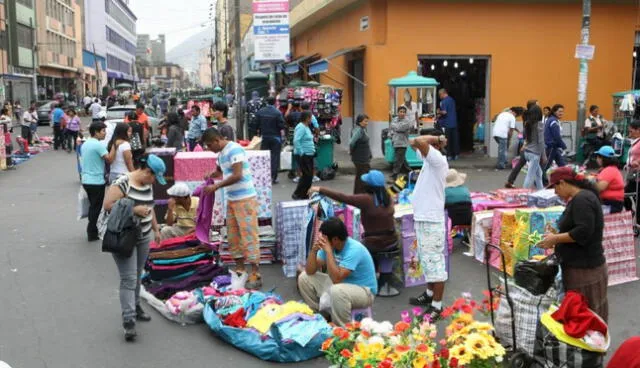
606, 151
179, 190
569, 172
373, 178
156, 165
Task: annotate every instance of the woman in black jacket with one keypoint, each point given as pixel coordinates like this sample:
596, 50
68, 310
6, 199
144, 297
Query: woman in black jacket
360, 151
578, 243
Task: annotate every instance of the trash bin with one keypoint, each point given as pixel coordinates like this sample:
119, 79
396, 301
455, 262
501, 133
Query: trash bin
412, 157
324, 156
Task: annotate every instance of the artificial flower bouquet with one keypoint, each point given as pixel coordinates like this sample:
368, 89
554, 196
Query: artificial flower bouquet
412, 342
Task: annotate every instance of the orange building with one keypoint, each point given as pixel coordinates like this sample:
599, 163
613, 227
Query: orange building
497, 53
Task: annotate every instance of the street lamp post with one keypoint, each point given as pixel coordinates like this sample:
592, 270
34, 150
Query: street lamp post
584, 67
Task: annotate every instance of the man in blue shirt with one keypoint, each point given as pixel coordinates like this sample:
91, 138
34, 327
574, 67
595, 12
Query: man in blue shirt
448, 119
56, 117
271, 127
94, 155
350, 281
197, 126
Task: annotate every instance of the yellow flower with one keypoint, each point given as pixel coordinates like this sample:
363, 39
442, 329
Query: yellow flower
461, 353
463, 319
367, 351
496, 350
478, 345
481, 326
352, 362
420, 362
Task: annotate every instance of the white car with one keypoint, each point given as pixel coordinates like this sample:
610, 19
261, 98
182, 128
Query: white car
119, 113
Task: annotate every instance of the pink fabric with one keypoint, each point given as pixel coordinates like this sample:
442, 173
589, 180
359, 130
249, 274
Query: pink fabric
492, 204
193, 166
619, 248
204, 213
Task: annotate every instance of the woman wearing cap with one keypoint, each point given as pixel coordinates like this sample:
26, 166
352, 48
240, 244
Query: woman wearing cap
457, 199
360, 151
181, 214
137, 186
376, 208
609, 181
578, 243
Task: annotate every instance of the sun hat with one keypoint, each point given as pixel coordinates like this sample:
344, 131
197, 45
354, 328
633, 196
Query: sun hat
606, 151
156, 165
455, 179
373, 178
569, 172
179, 190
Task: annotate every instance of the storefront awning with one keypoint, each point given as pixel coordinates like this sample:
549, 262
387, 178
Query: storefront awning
294, 66
322, 66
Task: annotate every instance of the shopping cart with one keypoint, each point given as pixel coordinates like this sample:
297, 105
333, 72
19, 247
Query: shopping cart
516, 358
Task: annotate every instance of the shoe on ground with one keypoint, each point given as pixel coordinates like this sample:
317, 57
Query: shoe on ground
92, 238
275, 181
432, 313
316, 179
254, 282
141, 315
509, 185
421, 300
296, 179
129, 330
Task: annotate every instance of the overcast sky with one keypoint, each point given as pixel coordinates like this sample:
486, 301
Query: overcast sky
178, 20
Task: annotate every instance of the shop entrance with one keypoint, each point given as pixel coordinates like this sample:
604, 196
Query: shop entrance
357, 89
466, 78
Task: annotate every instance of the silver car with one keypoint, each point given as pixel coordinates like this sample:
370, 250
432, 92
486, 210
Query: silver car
119, 113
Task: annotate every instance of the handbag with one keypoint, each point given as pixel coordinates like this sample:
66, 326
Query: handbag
536, 276
122, 242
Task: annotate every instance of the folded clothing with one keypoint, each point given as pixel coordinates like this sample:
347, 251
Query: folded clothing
202, 277
185, 251
168, 243
271, 313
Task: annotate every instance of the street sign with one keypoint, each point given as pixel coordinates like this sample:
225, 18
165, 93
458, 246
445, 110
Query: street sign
271, 30
585, 51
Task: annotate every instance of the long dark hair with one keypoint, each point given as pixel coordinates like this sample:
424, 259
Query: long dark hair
583, 184
380, 195
360, 118
173, 119
532, 117
120, 132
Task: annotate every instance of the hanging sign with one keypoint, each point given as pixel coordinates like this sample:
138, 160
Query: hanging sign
271, 30
585, 51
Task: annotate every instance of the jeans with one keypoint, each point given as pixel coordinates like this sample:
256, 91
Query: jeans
305, 164
273, 144
95, 193
502, 152
359, 186
57, 137
453, 142
516, 170
130, 269
71, 138
534, 173
554, 154
400, 165
192, 144
26, 133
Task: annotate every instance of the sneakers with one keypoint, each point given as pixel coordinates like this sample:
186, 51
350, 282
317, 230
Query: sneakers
433, 313
296, 179
254, 282
141, 315
129, 330
421, 300
316, 179
508, 185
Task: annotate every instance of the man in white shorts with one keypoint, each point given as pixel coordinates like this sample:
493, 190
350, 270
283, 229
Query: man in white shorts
429, 219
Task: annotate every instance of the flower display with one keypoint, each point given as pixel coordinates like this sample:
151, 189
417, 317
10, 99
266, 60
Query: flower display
412, 341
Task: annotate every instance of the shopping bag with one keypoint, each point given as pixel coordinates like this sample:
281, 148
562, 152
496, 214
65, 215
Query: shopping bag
83, 204
536, 276
286, 160
254, 144
550, 352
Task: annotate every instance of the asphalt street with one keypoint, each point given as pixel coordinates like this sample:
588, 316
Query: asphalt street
59, 294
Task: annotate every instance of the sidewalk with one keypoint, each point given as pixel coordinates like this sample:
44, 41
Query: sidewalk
465, 162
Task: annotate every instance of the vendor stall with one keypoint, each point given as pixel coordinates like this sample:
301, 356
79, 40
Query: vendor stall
425, 88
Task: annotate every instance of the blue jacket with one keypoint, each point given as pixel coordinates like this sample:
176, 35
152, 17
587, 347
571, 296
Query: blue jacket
552, 136
270, 121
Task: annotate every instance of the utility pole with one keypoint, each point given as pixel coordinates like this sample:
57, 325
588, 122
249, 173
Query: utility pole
34, 50
584, 67
238, 47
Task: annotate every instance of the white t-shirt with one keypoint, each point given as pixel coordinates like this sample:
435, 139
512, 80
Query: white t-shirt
428, 195
27, 119
504, 122
119, 165
87, 100
95, 110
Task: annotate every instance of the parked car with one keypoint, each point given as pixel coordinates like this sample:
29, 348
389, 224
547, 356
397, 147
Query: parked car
44, 111
119, 112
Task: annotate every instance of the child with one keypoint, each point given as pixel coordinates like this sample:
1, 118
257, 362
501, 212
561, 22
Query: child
457, 199
72, 129
7, 144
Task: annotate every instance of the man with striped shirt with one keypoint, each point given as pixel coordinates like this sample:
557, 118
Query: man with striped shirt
242, 203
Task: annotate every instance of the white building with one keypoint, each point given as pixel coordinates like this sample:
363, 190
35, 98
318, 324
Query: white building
110, 28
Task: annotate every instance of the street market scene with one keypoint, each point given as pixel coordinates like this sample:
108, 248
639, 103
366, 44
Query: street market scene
319, 183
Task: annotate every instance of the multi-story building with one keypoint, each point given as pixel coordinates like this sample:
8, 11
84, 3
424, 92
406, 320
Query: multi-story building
168, 75
143, 49
17, 25
59, 36
158, 50
204, 72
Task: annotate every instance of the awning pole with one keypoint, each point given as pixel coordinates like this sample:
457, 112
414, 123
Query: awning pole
347, 73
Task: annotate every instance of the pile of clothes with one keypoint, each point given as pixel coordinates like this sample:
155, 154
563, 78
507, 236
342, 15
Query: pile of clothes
265, 326
267, 247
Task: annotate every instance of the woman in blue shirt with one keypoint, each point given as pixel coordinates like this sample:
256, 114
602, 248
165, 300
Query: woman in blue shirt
305, 149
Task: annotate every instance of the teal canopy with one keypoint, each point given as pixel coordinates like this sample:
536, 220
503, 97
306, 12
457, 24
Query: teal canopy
412, 79
635, 92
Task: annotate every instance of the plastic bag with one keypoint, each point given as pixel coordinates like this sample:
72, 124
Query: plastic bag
286, 160
238, 280
536, 276
325, 302
83, 204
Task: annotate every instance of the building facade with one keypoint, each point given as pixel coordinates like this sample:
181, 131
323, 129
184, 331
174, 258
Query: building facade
167, 75
490, 55
19, 63
143, 49
205, 72
158, 50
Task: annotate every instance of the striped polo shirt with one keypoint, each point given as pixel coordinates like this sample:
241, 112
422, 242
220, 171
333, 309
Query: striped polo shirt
141, 196
243, 189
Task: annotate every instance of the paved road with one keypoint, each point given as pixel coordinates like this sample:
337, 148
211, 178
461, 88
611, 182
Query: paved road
59, 293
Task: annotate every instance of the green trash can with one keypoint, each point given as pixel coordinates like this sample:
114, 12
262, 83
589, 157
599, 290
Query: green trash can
324, 156
411, 155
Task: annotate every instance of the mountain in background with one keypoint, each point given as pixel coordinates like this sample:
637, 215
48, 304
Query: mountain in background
185, 54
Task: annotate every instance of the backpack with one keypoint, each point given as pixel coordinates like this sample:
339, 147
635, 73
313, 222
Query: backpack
137, 138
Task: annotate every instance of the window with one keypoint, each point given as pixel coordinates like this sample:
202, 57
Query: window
116, 39
120, 16
27, 3
115, 63
25, 36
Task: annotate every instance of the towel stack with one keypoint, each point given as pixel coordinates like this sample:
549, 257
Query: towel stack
267, 247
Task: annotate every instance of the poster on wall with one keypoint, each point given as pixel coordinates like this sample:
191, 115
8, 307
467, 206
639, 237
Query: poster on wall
271, 30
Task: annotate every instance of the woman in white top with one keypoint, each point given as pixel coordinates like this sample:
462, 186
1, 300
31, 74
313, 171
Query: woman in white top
124, 158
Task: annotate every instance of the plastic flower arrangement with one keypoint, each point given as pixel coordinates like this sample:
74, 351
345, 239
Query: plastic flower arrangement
412, 341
